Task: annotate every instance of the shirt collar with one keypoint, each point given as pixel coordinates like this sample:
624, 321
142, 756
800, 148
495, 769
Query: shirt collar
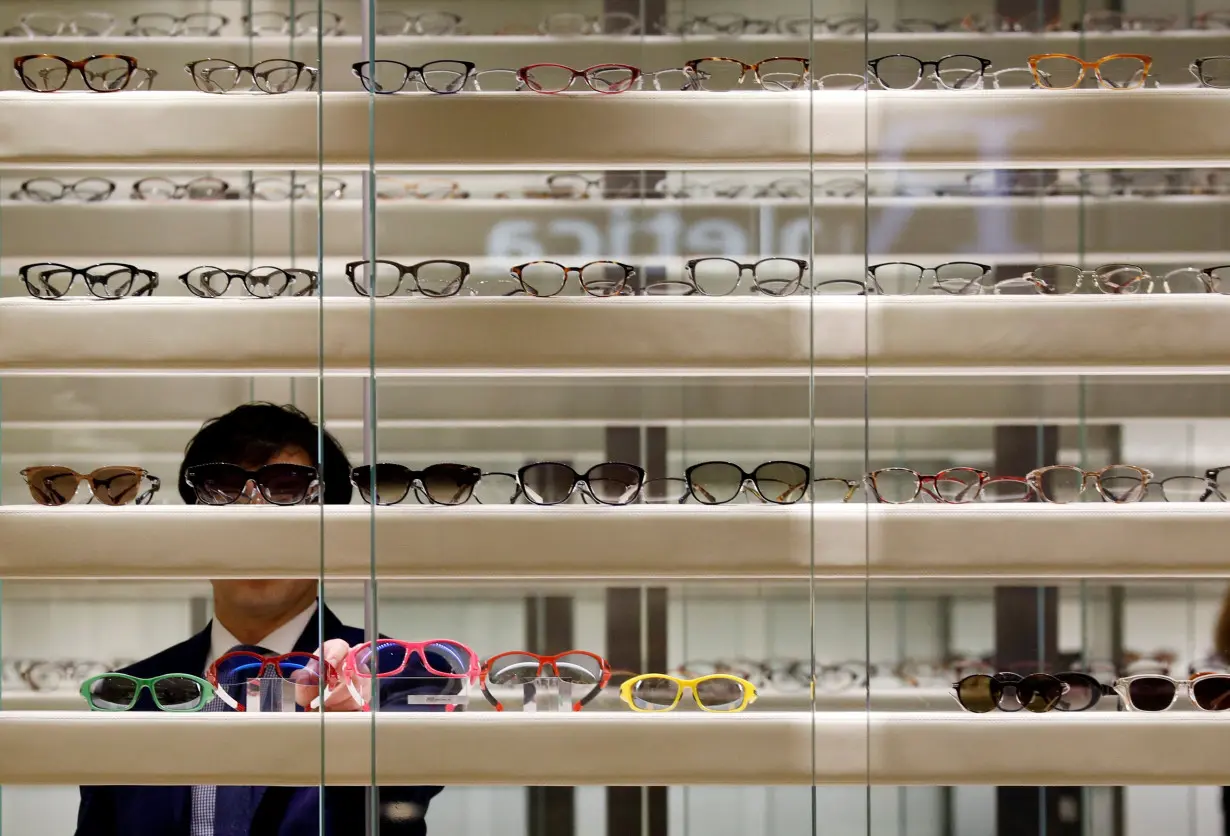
281, 640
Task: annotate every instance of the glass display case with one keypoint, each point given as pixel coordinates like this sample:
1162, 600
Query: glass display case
668, 418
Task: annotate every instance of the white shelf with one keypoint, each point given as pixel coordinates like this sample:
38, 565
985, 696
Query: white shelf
775, 749
689, 542
640, 336
883, 129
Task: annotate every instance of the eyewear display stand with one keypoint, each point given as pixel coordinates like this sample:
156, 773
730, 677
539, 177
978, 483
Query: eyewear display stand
547, 694
267, 695
424, 691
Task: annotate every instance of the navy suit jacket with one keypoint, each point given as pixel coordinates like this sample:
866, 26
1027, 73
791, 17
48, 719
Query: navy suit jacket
282, 811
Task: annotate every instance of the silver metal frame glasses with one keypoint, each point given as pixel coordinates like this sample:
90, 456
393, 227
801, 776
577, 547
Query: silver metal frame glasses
954, 278
1118, 483
576, 23
296, 188
272, 76
265, 282
56, 25
1064, 279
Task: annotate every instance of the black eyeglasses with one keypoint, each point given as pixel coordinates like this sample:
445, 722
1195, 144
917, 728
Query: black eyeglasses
778, 482
278, 484
43, 73
722, 276
1213, 71
442, 484
386, 77
553, 483
1037, 693
548, 278
110, 280
380, 278
952, 72
198, 188
52, 190
274, 76
262, 282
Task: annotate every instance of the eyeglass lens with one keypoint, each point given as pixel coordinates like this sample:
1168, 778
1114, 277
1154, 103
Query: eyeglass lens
522, 668
279, 484
444, 484
716, 483
389, 658
58, 485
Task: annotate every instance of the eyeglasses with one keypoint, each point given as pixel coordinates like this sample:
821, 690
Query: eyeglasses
45, 73
572, 23
1062, 279
170, 692
597, 278
554, 483
274, 76
278, 484
436, 278
722, 276
780, 73
428, 23
158, 24
1118, 483
394, 188
54, 485
389, 658
716, 692
724, 24
1154, 692
952, 278
1192, 488
1213, 71
777, 482
262, 282
239, 666
51, 190
110, 280
1111, 21
443, 484
520, 667
900, 485
291, 188
304, 23
601, 78
388, 77
198, 188
1006, 489
55, 25
952, 72
839, 25
1121, 71
1036, 693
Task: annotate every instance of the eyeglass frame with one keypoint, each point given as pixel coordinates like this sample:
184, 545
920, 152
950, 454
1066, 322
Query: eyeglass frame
698, 76
517, 272
20, 61
149, 275
300, 67
207, 690
311, 495
689, 269
873, 65
244, 276
410, 270
581, 479
1034, 477
143, 498
1096, 66
325, 679
411, 72
604, 669
177, 29
66, 189
1122, 687
685, 685
523, 78
180, 191
1196, 68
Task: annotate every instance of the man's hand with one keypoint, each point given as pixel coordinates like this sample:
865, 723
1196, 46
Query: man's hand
340, 698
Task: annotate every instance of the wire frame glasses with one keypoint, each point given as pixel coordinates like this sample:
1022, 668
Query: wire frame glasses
952, 72
387, 77
442, 484
1061, 484
1121, 71
777, 74
273, 76
210, 282
951, 278
198, 188
717, 692
436, 278
170, 692
110, 280
597, 278
1213, 71
1192, 488
54, 485
554, 483
45, 73
303, 23
580, 669
556, 78
777, 482
162, 25
56, 25
900, 485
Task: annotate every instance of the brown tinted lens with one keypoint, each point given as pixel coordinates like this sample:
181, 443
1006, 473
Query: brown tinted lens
51, 485
978, 693
392, 482
449, 484
115, 485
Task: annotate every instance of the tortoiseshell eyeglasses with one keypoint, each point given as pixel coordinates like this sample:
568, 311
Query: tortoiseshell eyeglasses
721, 74
1121, 71
556, 78
45, 73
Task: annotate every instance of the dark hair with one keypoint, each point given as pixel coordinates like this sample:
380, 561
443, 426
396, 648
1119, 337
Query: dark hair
252, 434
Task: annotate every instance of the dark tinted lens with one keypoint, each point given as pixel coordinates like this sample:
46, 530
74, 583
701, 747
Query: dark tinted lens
116, 485
714, 483
387, 659
51, 485
1040, 692
1151, 693
547, 483
178, 693
217, 484
513, 669
978, 693
1212, 693
720, 694
614, 483
285, 484
782, 483
392, 482
1083, 691
113, 693
450, 484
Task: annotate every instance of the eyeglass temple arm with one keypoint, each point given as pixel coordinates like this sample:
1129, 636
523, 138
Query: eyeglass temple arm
154, 484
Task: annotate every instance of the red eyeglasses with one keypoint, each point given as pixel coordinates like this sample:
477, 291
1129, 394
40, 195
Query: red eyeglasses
518, 667
240, 666
389, 658
601, 78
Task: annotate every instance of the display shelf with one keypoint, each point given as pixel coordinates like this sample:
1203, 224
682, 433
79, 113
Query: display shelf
657, 336
832, 129
1146, 540
881, 748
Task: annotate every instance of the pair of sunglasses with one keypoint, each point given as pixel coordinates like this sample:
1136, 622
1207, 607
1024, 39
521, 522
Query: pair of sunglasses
277, 484
580, 668
1038, 693
170, 692
1155, 692
389, 658
233, 670
389, 484
54, 485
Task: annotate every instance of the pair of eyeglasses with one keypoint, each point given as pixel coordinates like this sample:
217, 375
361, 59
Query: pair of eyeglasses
56, 25
574, 23
578, 668
837, 25
952, 72
53, 190
597, 278
1154, 692
557, 78
554, 483
436, 278
162, 25
1060, 71
394, 23
261, 282
106, 73
775, 74
393, 188
387, 77
170, 692
218, 483
389, 659
1213, 71
235, 669
1195, 488
778, 482
110, 280
296, 188
991, 22
716, 692
54, 485
1036, 693
198, 188
954, 278
1064, 279
715, 276
386, 483
273, 76
1061, 484
724, 24
311, 22
901, 485
1112, 21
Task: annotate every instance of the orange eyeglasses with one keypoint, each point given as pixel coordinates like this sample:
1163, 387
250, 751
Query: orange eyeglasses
1059, 71
519, 667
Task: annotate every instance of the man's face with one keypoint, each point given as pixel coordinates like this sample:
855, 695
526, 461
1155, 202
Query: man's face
267, 597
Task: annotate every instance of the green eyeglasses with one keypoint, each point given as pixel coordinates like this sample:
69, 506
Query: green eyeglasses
171, 692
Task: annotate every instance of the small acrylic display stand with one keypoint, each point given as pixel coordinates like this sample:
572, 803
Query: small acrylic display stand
547, 693
268, 694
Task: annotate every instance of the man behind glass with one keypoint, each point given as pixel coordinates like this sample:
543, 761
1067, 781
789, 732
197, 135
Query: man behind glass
278, 616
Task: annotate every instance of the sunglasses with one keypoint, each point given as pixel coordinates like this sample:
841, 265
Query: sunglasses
718, 692
554, 483
238, 667
1154, 692
277, 484
443, 484
1037, 693
170, 692
519, 667
54, 485
717, 483
389, 658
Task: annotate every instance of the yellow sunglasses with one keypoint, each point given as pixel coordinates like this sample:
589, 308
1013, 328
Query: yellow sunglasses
717, 692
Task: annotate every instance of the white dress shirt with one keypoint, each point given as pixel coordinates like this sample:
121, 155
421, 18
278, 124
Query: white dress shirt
281, 640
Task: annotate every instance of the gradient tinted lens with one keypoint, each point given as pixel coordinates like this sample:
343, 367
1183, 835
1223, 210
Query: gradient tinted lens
449, 484
1212, 693
782, 483
978, 693
51, 485
720, 693
285, 484
1083, 691
113, 693
115, 485
1040, 692
392, 482
548, 483
614, 483
655, 693
514, 669
714, 483
178, 693
1151, 693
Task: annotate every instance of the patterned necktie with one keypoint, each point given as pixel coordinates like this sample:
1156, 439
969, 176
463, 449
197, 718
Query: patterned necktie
237, 804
